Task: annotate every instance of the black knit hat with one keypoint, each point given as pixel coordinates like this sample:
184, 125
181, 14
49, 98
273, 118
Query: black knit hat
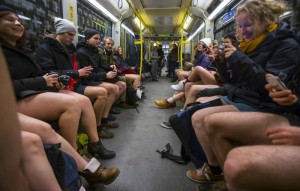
89, 33
5, 8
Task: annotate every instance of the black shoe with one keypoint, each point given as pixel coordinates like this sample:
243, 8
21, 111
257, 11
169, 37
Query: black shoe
110, 117
114, 111
98, 150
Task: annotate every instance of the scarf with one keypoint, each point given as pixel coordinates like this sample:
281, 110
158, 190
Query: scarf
247, 47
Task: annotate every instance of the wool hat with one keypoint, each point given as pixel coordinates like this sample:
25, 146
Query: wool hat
89, 33
206, 41
137, 36
63, 25
5, 8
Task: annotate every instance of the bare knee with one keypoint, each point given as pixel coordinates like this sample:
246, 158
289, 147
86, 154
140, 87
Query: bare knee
210, 126
48, 135
31, 144
235, 169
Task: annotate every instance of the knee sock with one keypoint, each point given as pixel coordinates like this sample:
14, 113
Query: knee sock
215, 169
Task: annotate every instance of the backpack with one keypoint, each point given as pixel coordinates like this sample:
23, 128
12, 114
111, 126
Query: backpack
182, 125
64, 167
131, 97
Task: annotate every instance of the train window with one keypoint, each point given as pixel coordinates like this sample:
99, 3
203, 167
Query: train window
36, 16
93, 20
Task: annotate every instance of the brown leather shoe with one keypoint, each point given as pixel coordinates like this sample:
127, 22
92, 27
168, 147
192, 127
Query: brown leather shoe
104, 133
101, 176
126, 105
111, 125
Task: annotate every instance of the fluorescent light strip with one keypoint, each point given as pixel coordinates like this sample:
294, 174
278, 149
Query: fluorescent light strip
81, 35
106, 12
127, 29
187, 22
196, 32
25, 18
218, 9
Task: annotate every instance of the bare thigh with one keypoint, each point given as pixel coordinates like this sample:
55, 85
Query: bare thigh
264, 167
45, 106
244, 127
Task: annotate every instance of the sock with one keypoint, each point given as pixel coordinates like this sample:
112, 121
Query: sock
170, 100
215, 169
93, 165
99, 128
104, 120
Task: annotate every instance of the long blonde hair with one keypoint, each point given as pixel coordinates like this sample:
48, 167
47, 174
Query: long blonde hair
261, 12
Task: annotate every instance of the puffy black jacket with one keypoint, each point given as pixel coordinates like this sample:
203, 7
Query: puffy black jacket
278, 54
88, 56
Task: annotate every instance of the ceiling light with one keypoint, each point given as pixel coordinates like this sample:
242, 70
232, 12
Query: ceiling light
187, 22
23, 17
127, 29
106, 12
138, 23
218, 9
196, 32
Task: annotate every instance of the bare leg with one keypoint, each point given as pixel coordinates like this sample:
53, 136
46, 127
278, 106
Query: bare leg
206, 76
56, 106
194, 90
122, 87
11, 176
136, 80
99, 95
36, 167
262, 168
198, 125
229, 129
188, 86
87, 118
112, 93
178, 96
49, 136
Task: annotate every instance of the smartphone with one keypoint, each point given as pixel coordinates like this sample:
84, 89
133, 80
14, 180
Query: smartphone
276, 80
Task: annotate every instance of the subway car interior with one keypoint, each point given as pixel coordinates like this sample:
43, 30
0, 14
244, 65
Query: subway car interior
157, 40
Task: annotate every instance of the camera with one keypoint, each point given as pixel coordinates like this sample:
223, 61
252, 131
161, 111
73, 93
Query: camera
64, 79
221, 48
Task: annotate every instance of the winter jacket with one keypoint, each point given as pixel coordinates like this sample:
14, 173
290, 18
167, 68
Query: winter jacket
26, 75
278, 54
88, 56
52, 56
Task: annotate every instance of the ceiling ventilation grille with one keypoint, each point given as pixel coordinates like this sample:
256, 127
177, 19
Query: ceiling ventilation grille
163, 20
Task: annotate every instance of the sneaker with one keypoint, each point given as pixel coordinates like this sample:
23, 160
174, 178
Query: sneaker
166, 125
104, 133
101, 176
111, 125
204, 175
178, 87
164, 103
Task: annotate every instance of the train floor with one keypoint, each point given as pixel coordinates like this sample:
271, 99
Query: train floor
136, 142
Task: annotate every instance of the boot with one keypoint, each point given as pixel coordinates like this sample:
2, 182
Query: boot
99, 150
101, 176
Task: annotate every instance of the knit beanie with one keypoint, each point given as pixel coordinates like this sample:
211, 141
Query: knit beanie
63, 25
89, 33
5, 8
206, 41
